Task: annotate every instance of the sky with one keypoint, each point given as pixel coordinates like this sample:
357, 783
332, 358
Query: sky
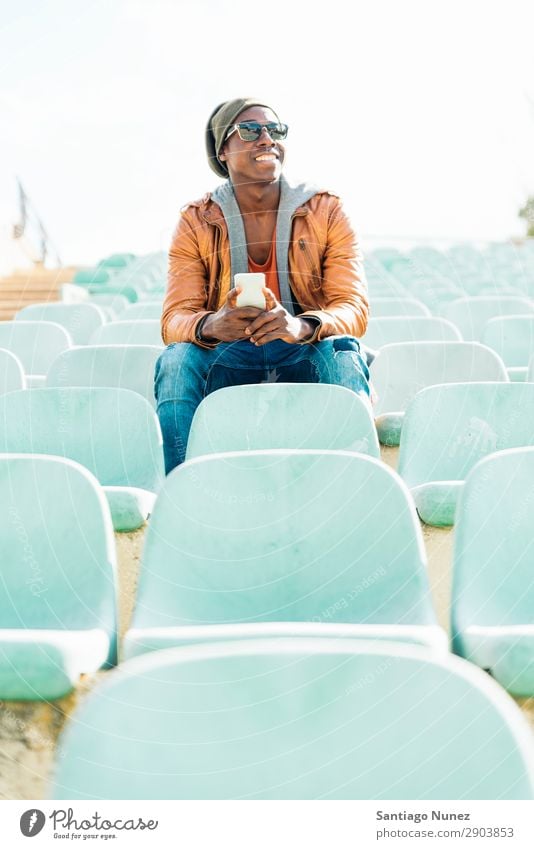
420, 115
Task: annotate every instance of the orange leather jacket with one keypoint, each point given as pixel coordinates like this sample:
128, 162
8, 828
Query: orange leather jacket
325, 269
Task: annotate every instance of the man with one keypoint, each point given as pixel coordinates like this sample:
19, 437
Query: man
299, 236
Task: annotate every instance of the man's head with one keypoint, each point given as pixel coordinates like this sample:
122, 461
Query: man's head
239, 146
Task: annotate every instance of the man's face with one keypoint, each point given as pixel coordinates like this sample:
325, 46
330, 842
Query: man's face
257, 161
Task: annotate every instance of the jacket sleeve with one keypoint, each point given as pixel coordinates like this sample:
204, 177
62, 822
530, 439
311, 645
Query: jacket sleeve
345, 306
186, 297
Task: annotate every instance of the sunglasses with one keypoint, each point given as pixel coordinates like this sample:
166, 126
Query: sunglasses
251, 130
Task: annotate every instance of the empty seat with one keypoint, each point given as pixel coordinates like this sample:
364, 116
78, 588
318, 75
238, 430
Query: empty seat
381, 307
136, 332
282, 536
296, 719
143, 310
493, 585
471, 314
112, 432
125, 366
11, 372
448, 428
58, 585
399, 371
530, 372
512, 337
36, 344
384, 331
112, 305
80, 320
282, 415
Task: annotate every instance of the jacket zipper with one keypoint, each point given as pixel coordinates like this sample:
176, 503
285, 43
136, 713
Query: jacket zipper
304, 247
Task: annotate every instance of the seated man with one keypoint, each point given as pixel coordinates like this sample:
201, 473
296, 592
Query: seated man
315, 295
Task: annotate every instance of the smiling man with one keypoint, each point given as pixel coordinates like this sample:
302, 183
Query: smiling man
299, 237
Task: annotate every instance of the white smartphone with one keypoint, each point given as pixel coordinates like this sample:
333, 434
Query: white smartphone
251, 294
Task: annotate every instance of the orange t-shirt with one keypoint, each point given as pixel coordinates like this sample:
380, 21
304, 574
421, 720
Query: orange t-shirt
269, 269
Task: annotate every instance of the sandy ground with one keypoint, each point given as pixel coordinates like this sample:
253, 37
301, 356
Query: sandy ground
29, 731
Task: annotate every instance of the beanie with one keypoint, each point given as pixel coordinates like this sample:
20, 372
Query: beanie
219, 122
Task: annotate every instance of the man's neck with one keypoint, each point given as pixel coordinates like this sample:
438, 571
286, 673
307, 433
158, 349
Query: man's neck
257, 197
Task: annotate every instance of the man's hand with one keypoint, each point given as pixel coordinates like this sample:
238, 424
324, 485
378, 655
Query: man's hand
275, 322
229, 322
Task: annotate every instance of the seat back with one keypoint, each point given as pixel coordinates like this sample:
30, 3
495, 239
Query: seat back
79, 319
143, 310
382, 307
296, 719
282, 415
125, 366
400, 370
35, 343
384, 331
286, 536
449, 427
136, 332
11, 372
471, 314
512, 337
58, 551
112, 432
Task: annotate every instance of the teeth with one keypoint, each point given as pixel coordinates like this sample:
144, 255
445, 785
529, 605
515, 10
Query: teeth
265, 157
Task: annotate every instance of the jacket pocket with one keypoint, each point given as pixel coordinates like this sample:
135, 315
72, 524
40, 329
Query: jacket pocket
315, 279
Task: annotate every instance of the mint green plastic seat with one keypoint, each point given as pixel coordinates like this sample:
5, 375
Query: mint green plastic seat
399, 371
143, 310
282, 536
125, 366
58, 578
384, 331
92, 276
382, 307
449, 428
113, 305
282, 415
530, 372
135, 332
36, 344
493, 579
512, 337
128, 292
471, 314
80, 320
119, 261
112, 432
11, 372
296, 719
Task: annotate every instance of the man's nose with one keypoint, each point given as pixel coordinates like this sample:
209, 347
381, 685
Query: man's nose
265, 138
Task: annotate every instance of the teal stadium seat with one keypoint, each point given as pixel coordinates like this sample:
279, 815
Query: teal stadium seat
11, 372
92, 276
383, 307
113, 305
80, 320
136, 332
296, 719
143, 310
471, 314
384, 331
449, 428
530, 372
282, 415
124, 366
493, 583
512, 337
400, 370
117, 261
279, 537
36, 344
112, 432
58, 579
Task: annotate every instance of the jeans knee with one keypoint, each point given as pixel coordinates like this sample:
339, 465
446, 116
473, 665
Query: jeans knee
179, 365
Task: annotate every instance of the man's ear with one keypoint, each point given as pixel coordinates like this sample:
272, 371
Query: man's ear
222, 153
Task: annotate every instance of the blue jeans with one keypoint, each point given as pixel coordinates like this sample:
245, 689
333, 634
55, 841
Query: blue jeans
186, 373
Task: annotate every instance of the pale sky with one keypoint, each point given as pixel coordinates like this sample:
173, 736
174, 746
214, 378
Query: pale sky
419, 114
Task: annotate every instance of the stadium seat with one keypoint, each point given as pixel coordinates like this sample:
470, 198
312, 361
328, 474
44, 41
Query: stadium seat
296, 719
471, 314
530, 372
512, 337
282, 415
399, 371
58, 584
112, 305
448, 428
124, 366
382, 307
493, 585
11, 372
136, 332
80, 320
92, 276
117, 261
36, 344
112, 432
143, 310
384, 331
283, 536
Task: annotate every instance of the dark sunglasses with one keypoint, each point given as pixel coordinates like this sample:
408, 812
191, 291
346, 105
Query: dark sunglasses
251, 130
